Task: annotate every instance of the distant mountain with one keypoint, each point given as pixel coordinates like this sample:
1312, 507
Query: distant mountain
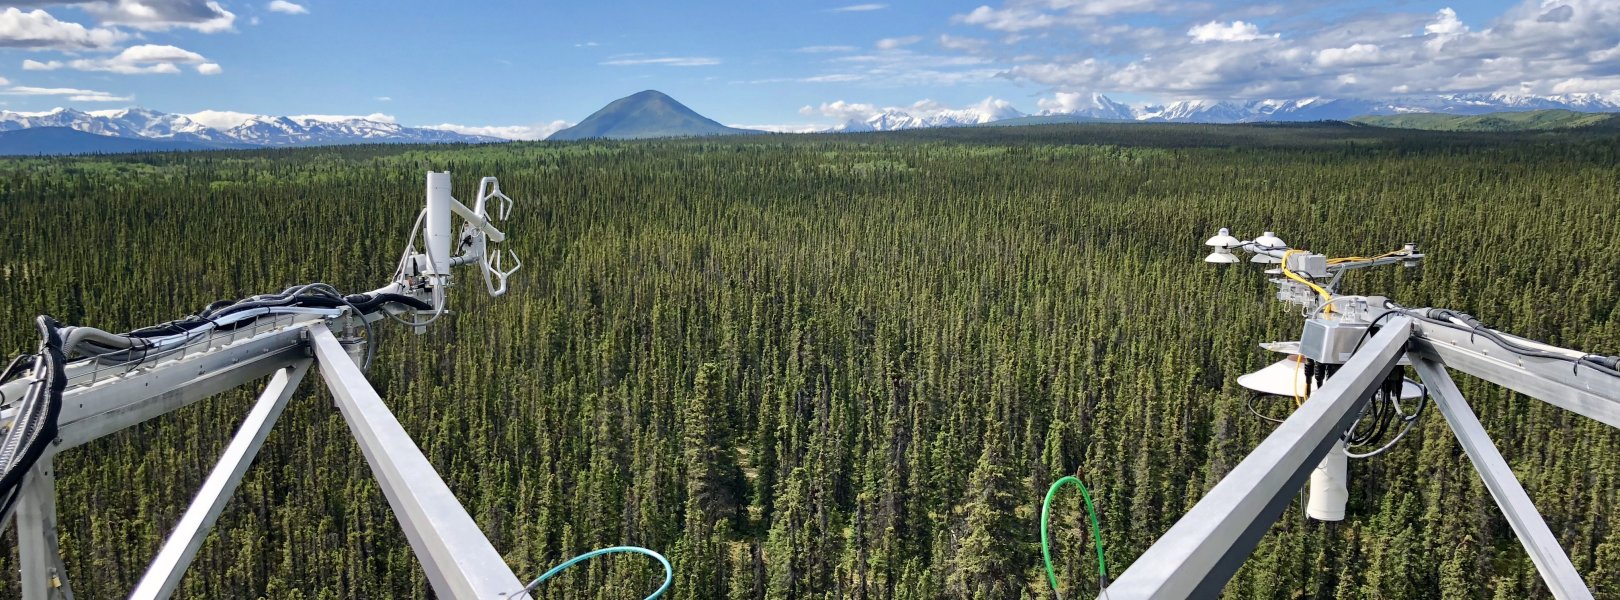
1324, 109
38, 141
1533, 120
1097, 107
895, 119
239, 131
648, 114
1049, 120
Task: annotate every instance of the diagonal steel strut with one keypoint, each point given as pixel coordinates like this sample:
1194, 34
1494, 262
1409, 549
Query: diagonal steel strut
1521, 513
459, 560
1206, 546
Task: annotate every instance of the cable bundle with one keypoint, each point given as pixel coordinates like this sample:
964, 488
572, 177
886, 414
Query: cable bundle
33, 425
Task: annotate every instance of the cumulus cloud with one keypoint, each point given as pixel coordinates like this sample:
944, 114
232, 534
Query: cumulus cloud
37, 29
1539, 47
984, 111
285, 7
841, 111
964, 44
673, 61
72, 94
1236, 31
145, 59
825, 49
1352, 56
506, 132
897, 42
206, 16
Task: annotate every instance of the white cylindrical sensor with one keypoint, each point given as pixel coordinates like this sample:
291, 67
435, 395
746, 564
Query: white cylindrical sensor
437, 234
1330, 489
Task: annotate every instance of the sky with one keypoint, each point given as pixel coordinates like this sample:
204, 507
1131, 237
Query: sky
524, 69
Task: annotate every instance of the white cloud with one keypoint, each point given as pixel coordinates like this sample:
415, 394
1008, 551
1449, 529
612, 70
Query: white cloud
897, 42
964, 44
783, 127
1446, 23
506, 132
38, 29
144, 59
384, 99
842, 111
989, 109
680, 61
1538, 47
1236, 31
73, 94
860, 8
825, 49
30, 64
1008, 20
1069, 102
1446, 27
1352, 56
206, 16
285, 7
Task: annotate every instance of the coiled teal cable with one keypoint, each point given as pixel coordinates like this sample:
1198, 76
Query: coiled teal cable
669, 572
1096, 533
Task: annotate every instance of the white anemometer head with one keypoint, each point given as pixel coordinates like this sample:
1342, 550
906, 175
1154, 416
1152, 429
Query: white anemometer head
490, 198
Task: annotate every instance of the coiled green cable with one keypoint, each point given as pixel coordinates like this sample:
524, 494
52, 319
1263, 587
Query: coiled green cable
669, 573
1096, 532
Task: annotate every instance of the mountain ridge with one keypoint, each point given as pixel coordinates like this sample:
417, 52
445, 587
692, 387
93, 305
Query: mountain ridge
1099, 107
254, 131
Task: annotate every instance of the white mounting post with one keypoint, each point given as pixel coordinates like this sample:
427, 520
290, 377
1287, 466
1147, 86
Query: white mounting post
437, 234
44, 577
1330, 486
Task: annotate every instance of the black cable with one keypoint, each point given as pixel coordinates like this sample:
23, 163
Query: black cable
33, 426
1250, 404
1441, 316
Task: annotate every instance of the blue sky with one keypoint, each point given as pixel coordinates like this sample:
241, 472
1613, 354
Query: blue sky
527, 67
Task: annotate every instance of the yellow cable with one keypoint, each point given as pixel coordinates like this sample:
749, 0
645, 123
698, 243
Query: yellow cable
1335, 261
1326, 309
1298, 399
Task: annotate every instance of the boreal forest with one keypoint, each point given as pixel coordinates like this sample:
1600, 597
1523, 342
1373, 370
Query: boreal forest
835, 366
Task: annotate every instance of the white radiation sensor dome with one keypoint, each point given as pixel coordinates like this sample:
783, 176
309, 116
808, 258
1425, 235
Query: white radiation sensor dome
1222, 256
1270, 240
1222, 239
1285, 378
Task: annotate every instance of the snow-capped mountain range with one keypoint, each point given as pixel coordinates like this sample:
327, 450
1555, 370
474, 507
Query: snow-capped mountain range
219, 129
1102, 108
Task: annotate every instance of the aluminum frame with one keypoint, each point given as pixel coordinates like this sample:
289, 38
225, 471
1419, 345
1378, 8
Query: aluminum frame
451, 547
1538, 540
165, 571
1199, 554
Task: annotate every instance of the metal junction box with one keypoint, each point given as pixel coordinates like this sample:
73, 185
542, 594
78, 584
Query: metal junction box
1330, 341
